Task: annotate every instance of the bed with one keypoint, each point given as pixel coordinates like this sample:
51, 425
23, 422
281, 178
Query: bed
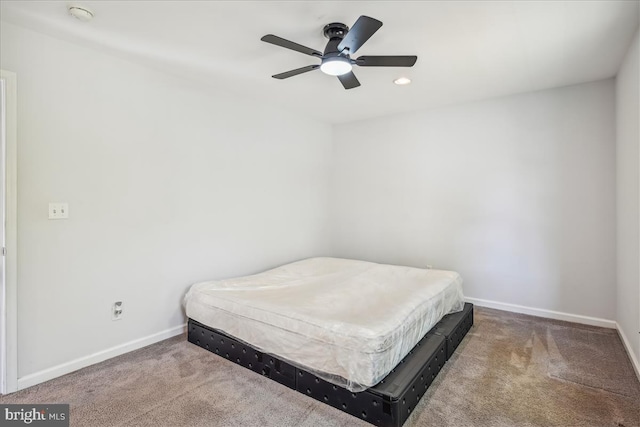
345, 324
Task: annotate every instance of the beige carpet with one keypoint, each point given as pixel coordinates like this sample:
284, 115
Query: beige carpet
511, 370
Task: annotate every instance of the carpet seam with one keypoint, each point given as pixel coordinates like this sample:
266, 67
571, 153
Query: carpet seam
590, 387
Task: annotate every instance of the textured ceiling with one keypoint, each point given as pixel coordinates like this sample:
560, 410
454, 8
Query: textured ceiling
466, 50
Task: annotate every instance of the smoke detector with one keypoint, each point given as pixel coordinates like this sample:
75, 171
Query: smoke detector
81, 13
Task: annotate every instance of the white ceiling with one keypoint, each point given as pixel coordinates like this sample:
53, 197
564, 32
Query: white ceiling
466, 50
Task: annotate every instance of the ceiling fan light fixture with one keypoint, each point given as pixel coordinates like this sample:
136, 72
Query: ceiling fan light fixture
335, 66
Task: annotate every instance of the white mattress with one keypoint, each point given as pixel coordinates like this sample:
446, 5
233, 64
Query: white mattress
349, 322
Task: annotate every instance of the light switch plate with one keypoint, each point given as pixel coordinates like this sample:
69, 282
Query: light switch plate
58, 210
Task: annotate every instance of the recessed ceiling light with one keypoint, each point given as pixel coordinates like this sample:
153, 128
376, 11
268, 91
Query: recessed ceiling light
81, 13
402, 81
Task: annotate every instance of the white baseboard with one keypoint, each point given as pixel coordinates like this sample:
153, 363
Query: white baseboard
82, 362
541, 312
627, 346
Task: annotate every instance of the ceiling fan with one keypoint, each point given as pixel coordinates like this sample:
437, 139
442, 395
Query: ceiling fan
336, 59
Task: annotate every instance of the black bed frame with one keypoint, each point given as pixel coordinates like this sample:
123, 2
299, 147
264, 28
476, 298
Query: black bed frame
387, 404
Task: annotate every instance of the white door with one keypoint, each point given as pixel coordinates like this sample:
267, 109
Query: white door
3, 133
8, 234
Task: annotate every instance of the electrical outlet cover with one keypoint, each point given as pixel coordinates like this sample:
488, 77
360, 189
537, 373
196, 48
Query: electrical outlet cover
116, 310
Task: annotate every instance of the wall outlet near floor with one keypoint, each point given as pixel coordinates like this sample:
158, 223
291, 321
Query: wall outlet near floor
116, 310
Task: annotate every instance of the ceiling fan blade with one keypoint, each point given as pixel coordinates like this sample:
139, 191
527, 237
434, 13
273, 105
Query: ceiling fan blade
359, 33
295, 72
386, 61
279, 41
349, 80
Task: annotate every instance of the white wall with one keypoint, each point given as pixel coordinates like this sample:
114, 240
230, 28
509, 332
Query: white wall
166, 185
628, 197
516, 193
